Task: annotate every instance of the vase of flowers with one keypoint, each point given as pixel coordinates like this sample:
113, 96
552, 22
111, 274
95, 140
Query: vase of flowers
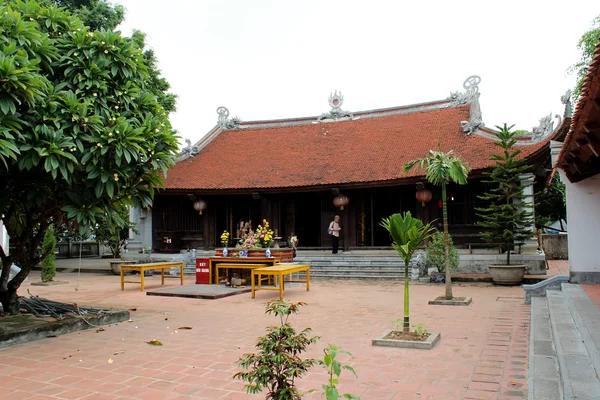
225, 242
268, 253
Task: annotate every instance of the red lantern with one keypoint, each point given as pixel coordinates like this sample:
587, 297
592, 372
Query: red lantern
200, 205
424, 196
341, 201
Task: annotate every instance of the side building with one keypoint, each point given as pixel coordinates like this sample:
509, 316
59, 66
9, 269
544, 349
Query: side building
578, 162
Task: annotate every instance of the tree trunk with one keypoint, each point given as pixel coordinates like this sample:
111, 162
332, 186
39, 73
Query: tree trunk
9, 301
449, 295
406, 327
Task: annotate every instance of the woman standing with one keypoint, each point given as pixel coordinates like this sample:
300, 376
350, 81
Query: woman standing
334, 231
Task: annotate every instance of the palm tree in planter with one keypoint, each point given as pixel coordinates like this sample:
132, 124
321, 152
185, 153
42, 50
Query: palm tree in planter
440, 169
407, 234
508, 217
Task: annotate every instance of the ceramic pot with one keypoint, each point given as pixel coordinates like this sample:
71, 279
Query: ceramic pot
507, 274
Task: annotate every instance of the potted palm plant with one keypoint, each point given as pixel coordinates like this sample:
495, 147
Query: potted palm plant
407, 235
508, 217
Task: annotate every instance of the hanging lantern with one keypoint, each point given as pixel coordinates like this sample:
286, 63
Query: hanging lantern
341, 201
200, 205
424, 196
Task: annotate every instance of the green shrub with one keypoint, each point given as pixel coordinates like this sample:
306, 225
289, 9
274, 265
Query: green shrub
277, 364
48, 249
435, 255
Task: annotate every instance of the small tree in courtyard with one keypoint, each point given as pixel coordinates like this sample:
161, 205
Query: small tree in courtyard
278, 364
49, 248
508, 217
407, 234
440, 169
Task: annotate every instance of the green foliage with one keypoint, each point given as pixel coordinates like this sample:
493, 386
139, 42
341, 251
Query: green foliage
586, 45
48, 250
407, 234
507, 218
435, 254
420, 329
334, 369
114, 234
81, 136
97, 14
277, 364
440, 169
551, 203
397, 323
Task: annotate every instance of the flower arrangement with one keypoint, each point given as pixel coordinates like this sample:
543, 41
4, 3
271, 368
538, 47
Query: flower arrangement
293, 241
264, 234
225, 238
263, 237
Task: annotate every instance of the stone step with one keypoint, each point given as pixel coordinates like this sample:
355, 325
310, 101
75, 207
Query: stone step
577, 360
373, 277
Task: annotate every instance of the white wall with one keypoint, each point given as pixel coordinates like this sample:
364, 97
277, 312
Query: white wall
583, 214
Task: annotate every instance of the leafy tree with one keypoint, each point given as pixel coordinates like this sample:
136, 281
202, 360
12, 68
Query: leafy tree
435, 253
81, 136
97, 14
586, 45
550, 204
508, 217
114, 233
48, 248
278, 363
407, 234
440, 169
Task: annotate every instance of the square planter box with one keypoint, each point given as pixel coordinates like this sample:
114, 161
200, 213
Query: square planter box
427, 344
444, 302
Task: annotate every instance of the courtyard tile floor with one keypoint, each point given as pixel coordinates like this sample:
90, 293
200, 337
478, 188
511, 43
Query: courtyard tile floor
482, 353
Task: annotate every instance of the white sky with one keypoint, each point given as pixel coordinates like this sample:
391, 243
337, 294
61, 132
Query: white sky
267, 59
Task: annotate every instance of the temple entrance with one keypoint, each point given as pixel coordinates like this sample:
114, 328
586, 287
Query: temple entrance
307, 216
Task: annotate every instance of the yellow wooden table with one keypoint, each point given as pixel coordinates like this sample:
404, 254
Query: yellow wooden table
213, 261
280, 271
150, 267
219, 266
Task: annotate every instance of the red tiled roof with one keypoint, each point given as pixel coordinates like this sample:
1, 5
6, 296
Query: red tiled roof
365, 150
585, 111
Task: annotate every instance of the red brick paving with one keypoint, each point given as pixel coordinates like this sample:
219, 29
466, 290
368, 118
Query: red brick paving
482, 353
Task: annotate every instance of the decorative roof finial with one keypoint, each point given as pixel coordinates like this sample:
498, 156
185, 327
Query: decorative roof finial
566, 100
225, 122
335, 101
545, 127
471, 95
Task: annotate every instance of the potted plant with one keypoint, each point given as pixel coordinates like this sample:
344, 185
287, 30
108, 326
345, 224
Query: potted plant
435, 256
508, 217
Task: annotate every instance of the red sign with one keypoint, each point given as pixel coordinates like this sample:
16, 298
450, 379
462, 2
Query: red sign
202, 271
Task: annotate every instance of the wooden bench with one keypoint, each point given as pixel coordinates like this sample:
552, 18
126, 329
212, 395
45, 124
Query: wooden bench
279, 271
141, 268
498, 245
213, 262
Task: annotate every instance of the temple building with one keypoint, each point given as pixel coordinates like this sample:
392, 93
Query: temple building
298, 173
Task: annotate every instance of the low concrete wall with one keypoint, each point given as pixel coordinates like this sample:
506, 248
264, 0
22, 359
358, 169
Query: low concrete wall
556, 247
478, 263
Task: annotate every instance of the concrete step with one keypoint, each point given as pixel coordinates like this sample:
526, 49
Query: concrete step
575, 343
544, 378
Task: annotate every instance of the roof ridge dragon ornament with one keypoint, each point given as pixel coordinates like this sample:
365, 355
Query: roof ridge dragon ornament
225, 122
471, 95
335, 101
